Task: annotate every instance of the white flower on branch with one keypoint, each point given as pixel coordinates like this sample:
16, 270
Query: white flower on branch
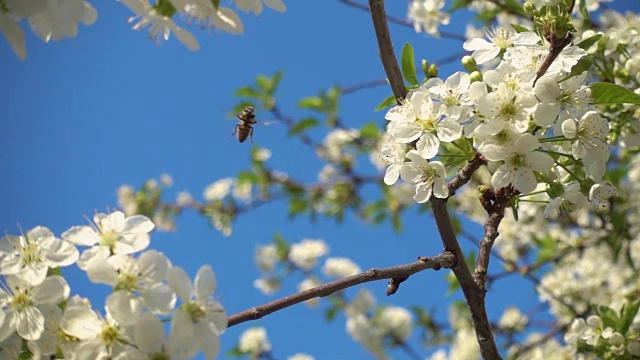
254, 341
30, 256
499, 40
426, 15
113, 234
340, 267
306, 253
520, 162
428, 177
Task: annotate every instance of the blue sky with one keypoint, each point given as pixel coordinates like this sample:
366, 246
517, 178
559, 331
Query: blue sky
83, 116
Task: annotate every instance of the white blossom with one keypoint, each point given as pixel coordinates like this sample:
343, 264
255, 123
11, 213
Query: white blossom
499, 40
113, 234
254, 341
396, 321
30, 256
426, 15
428, 177
340, 267
306, 253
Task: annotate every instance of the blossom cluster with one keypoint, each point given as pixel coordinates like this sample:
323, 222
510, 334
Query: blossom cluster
529, 130
56, 20
40, 318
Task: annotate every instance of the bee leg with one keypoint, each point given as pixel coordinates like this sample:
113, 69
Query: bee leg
234, 131
251, 134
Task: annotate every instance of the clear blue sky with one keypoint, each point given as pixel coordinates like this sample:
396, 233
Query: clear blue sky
83, 116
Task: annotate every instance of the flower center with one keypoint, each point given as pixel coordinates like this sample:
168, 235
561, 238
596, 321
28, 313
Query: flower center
110, 334
21, 301
428, 124
30, 254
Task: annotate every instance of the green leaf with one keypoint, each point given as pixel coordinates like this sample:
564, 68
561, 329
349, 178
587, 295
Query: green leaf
519, 29
608, 316
586, 43
454, 285
312, 103
627, 314
388, 101
275, 81
331, 313
409, 65
303, 125
548, 248
297, 206
216, 3
607, 93
459, 4
234, 353
397, 222
282, 246
246, 91
370, 131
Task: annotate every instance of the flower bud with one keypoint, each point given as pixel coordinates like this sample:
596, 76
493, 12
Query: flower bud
475, 76
469, 63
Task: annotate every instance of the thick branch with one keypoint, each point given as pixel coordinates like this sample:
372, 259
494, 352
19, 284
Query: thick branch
473, 295
445, 260
387, 56
495, 211
464, 174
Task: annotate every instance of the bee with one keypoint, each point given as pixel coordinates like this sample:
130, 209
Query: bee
244, 128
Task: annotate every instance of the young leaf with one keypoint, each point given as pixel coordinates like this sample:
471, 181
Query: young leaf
302, 125
312, 103
409, 65
607, 93
586, 43
388, 101
627, 314
519, 29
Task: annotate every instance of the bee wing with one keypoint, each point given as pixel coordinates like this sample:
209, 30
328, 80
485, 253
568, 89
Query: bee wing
267, 123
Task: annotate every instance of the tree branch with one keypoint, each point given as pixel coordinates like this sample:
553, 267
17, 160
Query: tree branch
472, 293
495, 204
445, 260
387, 55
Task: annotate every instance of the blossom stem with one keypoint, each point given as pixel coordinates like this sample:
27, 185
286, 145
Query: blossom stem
580, 181
556, 153
553, 139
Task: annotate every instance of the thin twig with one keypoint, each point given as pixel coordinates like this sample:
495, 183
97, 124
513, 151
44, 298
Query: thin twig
445, 260
403, 22
361, 86
539, 341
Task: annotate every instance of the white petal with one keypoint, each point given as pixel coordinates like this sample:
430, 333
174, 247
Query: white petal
423, 192
449, 131
526, 38
182, 337
149, 333
276, 5
547, 89
524, 180
484, 55
14, 35
392, 174
52, 291
138, 224
406, 132
7, 324
210, 344
475, 44
495, 152
526, 143
440, 189
81, 235
205, 282
546, 113
428, 146
227, 20
158, 298
124, 308
569, 128
153, 265
96, 253
539, 161
502, 177
61, 253
81, 322
29, 323
180, 282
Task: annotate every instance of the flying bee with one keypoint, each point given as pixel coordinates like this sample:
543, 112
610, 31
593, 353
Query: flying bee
246, 120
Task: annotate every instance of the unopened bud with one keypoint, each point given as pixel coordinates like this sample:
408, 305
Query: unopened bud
432, 71
425, 67
475, 76
469, 63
